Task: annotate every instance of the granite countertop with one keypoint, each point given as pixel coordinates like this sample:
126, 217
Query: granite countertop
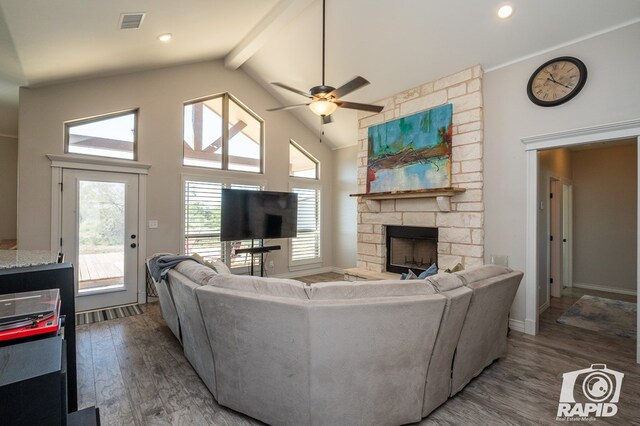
22, 258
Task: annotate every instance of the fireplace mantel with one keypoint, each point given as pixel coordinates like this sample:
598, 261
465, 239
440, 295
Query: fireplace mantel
442, 195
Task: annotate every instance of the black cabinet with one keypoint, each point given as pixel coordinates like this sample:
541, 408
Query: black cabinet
44, 277
33, 383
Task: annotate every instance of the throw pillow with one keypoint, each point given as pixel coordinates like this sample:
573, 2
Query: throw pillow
459, 267
219, 266
431, 270
409, 275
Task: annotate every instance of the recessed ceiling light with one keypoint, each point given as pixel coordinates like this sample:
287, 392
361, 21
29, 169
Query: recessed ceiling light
165, 37
505, 11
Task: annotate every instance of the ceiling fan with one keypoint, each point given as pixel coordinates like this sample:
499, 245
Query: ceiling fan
324, 99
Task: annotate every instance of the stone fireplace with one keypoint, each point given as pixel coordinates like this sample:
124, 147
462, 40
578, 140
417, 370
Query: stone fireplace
458, 217
411, 247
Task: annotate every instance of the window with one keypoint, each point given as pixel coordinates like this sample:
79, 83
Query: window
202, 211
301, 163
113, 135
221, 133
305, 248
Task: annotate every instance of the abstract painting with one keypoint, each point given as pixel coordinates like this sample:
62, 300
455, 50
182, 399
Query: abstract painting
411, 153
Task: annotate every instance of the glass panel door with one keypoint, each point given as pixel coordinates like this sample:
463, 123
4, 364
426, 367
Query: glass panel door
101, 208
99, 236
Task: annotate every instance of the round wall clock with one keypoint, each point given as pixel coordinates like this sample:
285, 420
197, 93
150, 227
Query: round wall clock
557, 81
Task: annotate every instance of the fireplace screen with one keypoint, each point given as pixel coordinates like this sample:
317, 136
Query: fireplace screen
410, 247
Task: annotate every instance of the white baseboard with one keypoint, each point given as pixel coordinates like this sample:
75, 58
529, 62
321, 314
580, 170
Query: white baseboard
310, 271
605, 288
516, 325
543, 308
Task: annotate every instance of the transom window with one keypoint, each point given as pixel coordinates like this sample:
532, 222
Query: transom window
301, 163
221, 133
112, 135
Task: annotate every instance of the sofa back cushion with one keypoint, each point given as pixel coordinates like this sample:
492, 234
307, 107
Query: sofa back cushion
279, 287
480, 273
366, 289
444, 282
196, 272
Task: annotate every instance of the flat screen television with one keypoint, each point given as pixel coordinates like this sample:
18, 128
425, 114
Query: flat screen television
258, 215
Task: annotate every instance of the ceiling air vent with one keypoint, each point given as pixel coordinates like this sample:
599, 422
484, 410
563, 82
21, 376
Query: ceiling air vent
131, 21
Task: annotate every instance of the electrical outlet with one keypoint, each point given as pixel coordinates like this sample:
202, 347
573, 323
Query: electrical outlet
271, 264
153, 224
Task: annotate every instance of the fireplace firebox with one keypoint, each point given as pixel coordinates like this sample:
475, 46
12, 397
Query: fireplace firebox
411, 247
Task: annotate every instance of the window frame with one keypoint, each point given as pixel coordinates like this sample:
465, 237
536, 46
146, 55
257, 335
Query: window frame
309, 156
101, 117
296, 265
225, 182
224, 166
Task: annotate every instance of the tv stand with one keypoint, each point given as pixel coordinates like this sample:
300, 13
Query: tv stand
261, 250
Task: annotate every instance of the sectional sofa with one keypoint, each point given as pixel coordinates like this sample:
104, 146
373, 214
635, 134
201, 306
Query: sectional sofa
338, 353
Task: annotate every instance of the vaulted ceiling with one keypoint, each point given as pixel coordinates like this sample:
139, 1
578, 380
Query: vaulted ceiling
395, 44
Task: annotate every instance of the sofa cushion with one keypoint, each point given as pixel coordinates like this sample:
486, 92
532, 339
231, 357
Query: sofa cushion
196, 272
479, 273
219, 266
279, 287
366, 289
445, 282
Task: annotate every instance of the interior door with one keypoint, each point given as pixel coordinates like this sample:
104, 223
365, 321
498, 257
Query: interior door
567, 266
99, 236
555, 243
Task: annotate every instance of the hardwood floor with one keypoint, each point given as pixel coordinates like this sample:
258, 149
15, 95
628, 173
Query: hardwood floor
133, 369
319, 278
8, 244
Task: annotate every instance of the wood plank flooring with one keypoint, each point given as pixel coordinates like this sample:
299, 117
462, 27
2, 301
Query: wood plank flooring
8, 244
134, 370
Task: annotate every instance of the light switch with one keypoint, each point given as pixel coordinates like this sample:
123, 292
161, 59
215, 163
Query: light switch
153, 224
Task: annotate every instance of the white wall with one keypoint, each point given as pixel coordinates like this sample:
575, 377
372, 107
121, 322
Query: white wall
8, 187
345, 236
8, 119
604, 218
159, 94
611, 94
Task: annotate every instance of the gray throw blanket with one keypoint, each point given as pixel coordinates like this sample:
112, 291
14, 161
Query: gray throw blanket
159, 265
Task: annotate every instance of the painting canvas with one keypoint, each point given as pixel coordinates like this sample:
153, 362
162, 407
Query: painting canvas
411, 153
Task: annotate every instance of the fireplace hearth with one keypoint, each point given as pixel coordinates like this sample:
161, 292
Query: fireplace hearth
411, 247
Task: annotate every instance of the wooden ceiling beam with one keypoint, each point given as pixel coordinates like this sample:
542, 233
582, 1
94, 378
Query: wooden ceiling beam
277, 18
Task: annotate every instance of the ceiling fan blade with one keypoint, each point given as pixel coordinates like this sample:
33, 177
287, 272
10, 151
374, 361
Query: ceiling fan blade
327, 119
349, 87
283, 108
361, 107
292, 89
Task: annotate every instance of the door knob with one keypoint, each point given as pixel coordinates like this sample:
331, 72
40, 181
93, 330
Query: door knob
134, 245
133, 236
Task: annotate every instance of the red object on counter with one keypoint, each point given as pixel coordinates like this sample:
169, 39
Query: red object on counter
28, 314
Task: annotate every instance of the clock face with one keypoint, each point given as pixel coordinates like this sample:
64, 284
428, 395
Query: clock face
557, 81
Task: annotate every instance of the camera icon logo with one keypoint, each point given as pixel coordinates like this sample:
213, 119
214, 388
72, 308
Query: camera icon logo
597, 388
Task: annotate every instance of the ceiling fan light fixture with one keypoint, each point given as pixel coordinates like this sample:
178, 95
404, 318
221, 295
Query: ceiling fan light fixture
323, 107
